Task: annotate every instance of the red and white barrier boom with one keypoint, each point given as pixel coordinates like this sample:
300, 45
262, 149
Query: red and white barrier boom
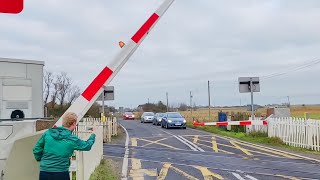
232, 123
93, 91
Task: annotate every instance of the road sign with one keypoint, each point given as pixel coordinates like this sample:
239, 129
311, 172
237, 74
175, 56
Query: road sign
108, 94
244, 84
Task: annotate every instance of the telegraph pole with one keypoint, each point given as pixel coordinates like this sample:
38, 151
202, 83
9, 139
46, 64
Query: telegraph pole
191, 102
167, 102
288, 100
209, 98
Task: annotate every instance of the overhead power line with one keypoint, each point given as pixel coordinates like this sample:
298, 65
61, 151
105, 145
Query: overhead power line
293, 69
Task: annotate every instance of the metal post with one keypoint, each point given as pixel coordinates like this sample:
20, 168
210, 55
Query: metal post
251, 89
288, 101
167, 102
103, 102
209, 98
191, 102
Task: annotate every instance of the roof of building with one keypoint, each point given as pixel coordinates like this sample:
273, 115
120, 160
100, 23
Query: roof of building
23, 61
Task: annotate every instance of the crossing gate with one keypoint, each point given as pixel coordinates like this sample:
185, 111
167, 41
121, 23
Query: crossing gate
232, 123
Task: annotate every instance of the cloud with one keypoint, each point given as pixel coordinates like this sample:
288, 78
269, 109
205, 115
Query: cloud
194, 42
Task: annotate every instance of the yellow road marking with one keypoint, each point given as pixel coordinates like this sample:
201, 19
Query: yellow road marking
160, 144
195, 139
225, 145
208, 175
137, 173
288, 177
154, 142
164, 171
136, 163
188, 176
267, 150
134, 142
214, 144
240, 148
221, 150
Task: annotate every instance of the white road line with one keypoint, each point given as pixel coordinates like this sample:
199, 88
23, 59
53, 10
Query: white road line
181, 140
250, 177
191, 143
237, 176
125, 162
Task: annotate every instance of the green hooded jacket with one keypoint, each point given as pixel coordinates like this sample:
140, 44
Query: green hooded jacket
56, 146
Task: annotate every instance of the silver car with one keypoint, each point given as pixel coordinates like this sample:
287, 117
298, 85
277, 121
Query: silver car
173, 119
147, 117
157, 118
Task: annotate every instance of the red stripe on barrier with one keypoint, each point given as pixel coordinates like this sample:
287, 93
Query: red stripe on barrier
145, 28
265, 123
198, 124
244, 123
222, 123
97, 83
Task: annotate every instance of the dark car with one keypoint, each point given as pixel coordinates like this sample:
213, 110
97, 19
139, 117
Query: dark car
157, 118
128, 115
173, 119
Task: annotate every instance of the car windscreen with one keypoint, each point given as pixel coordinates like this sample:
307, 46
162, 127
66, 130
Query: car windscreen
161, 114
174, 115
128, 113
149, 114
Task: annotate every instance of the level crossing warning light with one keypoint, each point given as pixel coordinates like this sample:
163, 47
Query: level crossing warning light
121, 44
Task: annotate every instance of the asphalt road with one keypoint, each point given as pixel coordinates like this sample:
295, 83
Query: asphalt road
178, 154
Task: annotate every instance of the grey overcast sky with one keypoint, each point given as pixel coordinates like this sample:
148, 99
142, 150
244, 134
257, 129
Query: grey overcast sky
195, 41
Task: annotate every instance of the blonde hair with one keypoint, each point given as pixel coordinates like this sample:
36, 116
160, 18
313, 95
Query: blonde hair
69, 119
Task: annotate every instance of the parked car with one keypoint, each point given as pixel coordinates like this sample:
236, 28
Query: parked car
128, 115
157, 118
147, 117
173, 119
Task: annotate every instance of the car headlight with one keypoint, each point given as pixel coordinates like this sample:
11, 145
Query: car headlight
184, 121
169, 121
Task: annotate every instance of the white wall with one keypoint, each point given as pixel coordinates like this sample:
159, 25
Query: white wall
21, 85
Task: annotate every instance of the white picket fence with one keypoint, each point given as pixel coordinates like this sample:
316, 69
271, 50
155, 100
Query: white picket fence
296, 132
87, 161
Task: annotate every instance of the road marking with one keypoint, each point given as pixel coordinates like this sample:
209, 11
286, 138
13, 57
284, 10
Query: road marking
220, 150
136, 163
220, 169
125, 162
164, 171
214, 144
154, 142
195, 139
270, 151
188, 176
287, 177
160, 144
137, 173
240, 148
192, 144
250, 177
134, 142
207, 175
237, 176
191, 147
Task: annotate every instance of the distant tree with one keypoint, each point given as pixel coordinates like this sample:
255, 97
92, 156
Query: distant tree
48, 79
183, 107
73, 94
64, 83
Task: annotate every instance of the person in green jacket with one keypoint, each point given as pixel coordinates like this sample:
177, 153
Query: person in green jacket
56, 146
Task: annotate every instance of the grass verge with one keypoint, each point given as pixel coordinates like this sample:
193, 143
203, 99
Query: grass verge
104, 172
255, 137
